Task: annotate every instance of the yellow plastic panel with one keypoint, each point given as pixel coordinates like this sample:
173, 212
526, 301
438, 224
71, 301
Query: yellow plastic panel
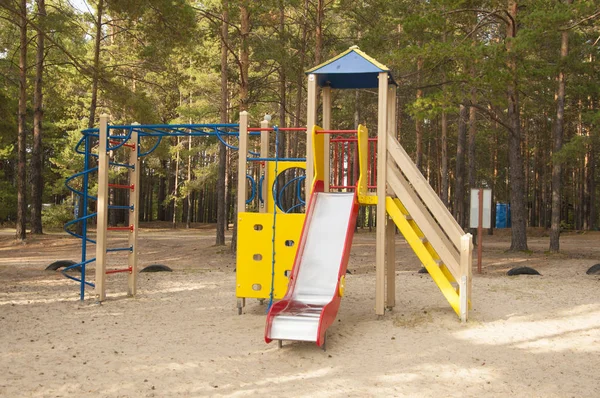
255, 251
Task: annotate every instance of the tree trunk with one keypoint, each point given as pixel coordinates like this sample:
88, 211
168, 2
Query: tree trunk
22, 134
515, 158
319, 31
459, 178
244, 67
188, 217
96, 76
302, 60
444, 160
471, 172
37, 186
176, 185
557, 145
221, 183
418, 121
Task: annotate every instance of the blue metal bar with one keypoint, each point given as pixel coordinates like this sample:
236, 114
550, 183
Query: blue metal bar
158, 141
82, 280
279, 199
129, 166
119, 207
253, 186
84, 210
120, 249
276, 159
124, 138
260, 184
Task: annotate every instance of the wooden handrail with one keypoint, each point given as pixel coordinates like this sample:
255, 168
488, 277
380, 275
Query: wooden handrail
424, 190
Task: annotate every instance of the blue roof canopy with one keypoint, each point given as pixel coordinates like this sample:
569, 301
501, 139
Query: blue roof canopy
351, 69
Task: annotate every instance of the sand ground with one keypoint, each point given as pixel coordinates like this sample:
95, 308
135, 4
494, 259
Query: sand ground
529, 336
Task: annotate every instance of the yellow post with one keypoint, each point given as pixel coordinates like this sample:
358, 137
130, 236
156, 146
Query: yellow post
134, 212
311, 121
382, 123
326, 126
102, 209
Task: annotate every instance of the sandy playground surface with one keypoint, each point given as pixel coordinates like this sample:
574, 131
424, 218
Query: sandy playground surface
528, 336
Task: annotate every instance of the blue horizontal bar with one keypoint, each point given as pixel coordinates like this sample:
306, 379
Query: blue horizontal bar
129, 166
276, 159
120, 249
117, 207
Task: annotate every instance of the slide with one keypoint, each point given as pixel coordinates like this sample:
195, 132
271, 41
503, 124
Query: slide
317, 279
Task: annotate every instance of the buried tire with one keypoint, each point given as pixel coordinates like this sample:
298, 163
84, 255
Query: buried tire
55, 266
156, 268
522, 271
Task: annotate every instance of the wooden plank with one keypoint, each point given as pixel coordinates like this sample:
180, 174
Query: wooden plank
423, 254
382, 123
264, 153
423, 219
102, 209
134, 215
390, 264
311, 121
242, 163
326, 126
466, 265
424, 190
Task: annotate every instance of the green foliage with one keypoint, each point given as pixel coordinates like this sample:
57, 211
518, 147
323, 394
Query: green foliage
56, 216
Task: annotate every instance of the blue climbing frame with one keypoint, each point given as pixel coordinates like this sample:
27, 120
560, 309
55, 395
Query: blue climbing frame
149, 137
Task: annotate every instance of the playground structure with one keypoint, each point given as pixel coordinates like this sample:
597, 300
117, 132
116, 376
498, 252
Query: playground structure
298, 258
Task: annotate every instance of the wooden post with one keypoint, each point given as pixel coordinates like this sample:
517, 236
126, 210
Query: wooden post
102, 209
466, 263
390, 264
241, 184
264, 153
242, 165
382, 124
390, 249
134, 212
480, 230
326, 126
311, 120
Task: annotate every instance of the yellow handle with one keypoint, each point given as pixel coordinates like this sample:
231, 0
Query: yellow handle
342, 286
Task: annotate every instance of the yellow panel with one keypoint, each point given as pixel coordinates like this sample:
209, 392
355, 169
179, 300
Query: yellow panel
414, 240
270, 179
255, 253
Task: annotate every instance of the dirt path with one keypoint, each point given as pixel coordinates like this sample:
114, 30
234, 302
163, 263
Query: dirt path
182, 337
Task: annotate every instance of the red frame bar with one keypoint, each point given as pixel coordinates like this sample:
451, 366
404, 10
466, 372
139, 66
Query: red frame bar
116, 271
129, 228
336, 132
121, 186
115, 142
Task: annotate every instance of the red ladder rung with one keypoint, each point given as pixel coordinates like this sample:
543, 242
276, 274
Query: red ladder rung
129, 228
116, 271
114, 142
122, 186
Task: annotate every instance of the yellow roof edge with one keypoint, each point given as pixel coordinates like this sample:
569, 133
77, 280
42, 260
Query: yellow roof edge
349, 50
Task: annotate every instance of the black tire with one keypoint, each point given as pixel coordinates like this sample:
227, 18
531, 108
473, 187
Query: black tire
522, 271
594, 270
423, 270
156, 268
55, 266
